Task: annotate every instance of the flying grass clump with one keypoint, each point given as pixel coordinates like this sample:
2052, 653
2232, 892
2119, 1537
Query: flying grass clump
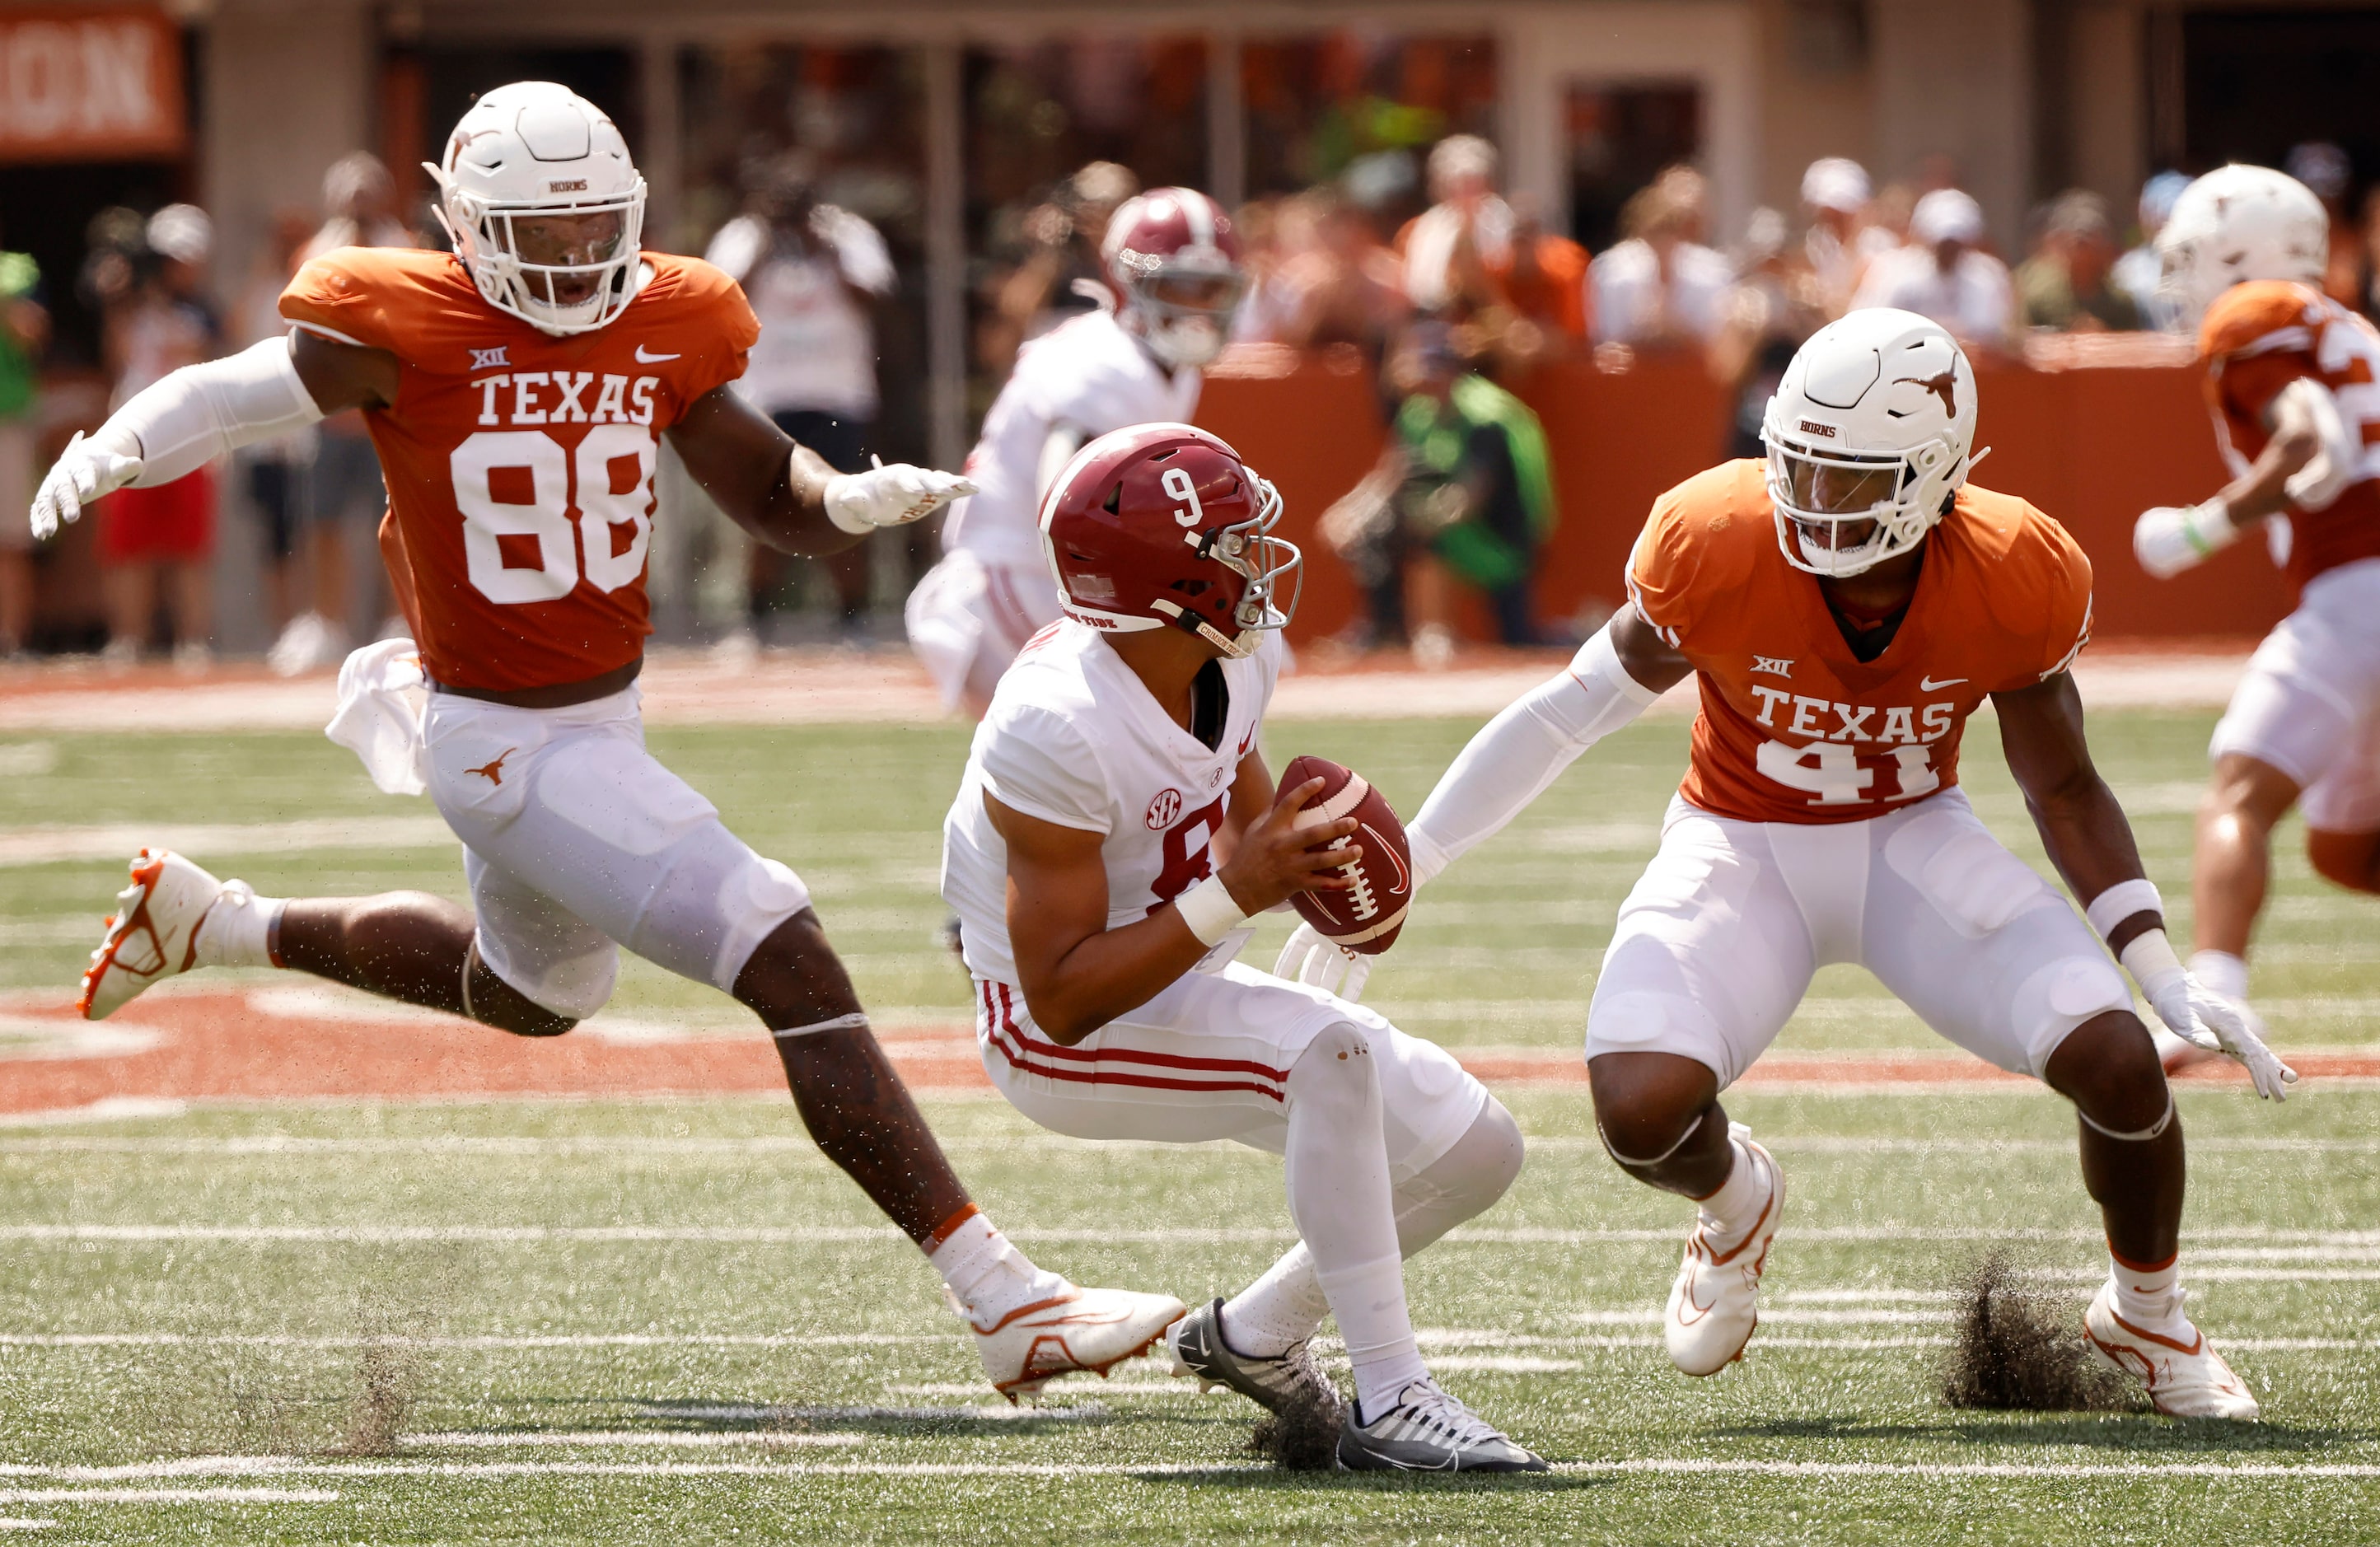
1304, 1438
2017, 1347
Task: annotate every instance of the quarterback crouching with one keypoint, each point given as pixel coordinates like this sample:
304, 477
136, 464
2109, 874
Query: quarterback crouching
1115, 828
513, 391
1845, 609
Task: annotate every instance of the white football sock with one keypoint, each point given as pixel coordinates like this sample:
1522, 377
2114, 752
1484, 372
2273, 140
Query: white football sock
2221, 971
988, 1279
2147, 1296
1278, 1311
1730, 1213
1285, 1306
238, 931
1336, 1165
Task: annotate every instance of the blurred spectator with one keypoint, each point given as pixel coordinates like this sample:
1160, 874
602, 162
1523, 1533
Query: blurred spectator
1267, 305
1835, 195
1541, 292
1660, 287
1342, 285
1944, 274
1449, 248
1463, 492
2139, 274
360, 198
1777, 302
24, 331
275, 472
345, 496
2324, 167
811, 271
165, 533
2067, 283
1060, 273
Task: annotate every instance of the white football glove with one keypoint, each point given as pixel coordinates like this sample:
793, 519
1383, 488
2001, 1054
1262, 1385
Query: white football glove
83, 472
2198, 1014
2171, 538
893, 496
1315, 961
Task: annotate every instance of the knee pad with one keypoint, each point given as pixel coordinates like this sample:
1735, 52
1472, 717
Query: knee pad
1484, 1163
1340, 1057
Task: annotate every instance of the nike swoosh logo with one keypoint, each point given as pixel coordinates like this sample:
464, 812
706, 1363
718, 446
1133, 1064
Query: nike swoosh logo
643, 358
1927, 684
1386, 851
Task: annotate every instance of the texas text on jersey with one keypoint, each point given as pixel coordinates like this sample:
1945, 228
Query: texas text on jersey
520, 464
2256, 339
1794, 727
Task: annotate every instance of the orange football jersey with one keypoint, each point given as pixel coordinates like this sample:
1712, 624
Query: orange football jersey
520, 465
1794, 727
2256, 339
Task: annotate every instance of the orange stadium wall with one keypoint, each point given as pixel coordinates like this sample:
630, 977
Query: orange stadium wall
2093, 445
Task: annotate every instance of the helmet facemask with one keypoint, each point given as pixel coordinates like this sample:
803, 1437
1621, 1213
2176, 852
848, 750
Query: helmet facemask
1180, 309
1248, 550
1840, 512
575, 275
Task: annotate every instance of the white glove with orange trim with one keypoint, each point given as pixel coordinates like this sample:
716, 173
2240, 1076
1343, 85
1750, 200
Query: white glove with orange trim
2198, 1014
894, 496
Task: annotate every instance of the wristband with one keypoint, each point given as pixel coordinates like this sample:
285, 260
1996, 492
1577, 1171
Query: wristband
1209, 912
2120, 901
2152, 962
2209, 525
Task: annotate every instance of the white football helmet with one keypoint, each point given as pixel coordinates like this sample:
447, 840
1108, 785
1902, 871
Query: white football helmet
2237, 223
530, 148
1869, 430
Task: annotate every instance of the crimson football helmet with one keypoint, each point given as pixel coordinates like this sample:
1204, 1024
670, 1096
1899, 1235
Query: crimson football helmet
1173, 257
1162, 524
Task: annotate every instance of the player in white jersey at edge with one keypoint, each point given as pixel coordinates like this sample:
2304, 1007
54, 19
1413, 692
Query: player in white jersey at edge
2289, 379
1174, 270
1116, 827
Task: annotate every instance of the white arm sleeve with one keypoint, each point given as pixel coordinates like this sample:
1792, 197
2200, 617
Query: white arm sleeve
1520, 752
200, 412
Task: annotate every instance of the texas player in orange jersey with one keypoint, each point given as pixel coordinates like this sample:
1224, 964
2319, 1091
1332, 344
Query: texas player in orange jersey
515, 391
2293, 380
1845, 613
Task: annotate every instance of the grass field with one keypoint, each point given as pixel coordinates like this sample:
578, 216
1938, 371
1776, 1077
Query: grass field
669, 1320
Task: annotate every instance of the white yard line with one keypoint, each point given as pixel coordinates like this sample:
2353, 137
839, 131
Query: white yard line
168, 1495
659, 1439
121, 840
1007, 1412
2216, 1470
1520, 1235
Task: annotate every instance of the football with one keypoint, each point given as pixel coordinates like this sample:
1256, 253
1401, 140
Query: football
1365, 919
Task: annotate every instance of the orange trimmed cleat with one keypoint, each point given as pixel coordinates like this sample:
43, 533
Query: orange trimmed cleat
2175, 1364
1715, 1299
151, 935
1081, 1329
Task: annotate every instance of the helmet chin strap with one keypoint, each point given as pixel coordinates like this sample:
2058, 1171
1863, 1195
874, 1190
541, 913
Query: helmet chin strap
1236, 646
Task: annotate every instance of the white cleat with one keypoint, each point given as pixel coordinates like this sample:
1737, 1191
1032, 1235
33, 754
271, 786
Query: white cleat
1715, 1300
153, 933
2179, 1370
1081, 1329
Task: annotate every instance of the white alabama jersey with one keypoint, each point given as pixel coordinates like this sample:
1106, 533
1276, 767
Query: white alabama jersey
1074, 738
1087, 373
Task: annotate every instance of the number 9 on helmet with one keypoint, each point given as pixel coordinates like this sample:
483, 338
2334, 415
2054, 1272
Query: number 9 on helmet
1163, 525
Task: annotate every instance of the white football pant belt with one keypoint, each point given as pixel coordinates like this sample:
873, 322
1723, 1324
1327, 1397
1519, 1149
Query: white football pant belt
1521, 750
176, 425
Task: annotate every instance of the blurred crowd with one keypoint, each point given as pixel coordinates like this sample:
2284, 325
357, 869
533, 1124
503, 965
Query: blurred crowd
1423, 270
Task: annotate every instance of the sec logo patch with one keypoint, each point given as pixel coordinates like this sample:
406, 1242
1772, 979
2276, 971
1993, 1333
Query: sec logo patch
1163, 809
